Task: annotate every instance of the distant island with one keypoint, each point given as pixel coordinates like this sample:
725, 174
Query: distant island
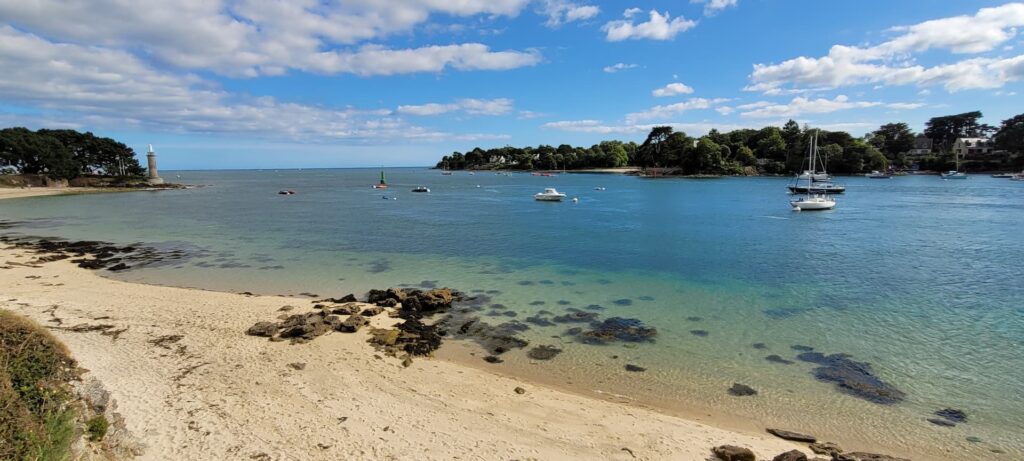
776, 151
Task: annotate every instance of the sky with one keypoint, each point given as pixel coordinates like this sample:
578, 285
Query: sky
325, 83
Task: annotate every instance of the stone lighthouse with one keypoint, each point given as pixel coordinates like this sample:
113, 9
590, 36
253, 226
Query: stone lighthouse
153, 177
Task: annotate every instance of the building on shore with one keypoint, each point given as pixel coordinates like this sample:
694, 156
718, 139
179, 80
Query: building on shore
922, 147
973, 147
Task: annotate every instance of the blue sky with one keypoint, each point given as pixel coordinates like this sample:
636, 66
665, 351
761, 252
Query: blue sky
268, 84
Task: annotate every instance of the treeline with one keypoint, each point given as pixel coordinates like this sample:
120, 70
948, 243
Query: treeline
769, 150
64, 154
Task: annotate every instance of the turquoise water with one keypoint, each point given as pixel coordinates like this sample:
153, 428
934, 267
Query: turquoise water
918, 276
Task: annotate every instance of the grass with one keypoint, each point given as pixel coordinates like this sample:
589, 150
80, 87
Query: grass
97, 428
36, 421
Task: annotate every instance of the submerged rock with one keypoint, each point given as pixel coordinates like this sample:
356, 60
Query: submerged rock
741, 390
618, 329
852, 377
956, 416
634, 368
543, 352
777, 359
733, 453
759, 346
701, 333
493, 359
941, 422
802, 348
539, 321
575, 317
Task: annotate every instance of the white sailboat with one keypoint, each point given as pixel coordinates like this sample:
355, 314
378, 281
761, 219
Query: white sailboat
954, 174
813, 201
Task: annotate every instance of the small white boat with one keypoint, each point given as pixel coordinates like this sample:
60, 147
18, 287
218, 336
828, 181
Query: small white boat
599, 188
953, 175
1018, 177
875, 174
1003, 175
814, 176
813, 203
421, 189
549, 195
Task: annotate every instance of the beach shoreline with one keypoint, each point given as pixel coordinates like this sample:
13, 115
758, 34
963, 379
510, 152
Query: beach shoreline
212, 391
7, 193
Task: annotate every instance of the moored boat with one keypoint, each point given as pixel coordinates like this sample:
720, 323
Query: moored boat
421, 189
813, 200
1003, 175
549, 195
875, 174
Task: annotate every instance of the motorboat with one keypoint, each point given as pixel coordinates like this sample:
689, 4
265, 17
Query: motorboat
1018, 177
421, 189
549, 195
813, 200
875, 174
286, 192
1003, 175
953, 174
813, 203
599, 188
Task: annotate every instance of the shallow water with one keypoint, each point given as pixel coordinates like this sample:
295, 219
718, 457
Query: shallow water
918, 276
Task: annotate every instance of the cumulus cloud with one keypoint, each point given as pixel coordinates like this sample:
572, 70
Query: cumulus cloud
890, 63
500, 106
672, 89
561, 11
113, 88
658, 27
800, 105
712, 7
670, 110
268, 37
618, 66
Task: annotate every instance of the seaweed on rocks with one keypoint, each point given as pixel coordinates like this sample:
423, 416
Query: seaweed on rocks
540, 321
618, 329
741, 390
575, 317
777, 359
953, 415
852, 377
543, 352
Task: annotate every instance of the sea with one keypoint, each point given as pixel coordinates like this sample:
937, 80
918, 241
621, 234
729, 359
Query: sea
915, 281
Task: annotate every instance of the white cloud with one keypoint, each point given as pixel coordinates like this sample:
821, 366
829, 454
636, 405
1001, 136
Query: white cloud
267, 37
800, 105
712, 7
725, 110
658, 27
102, 87
672, 109
618, 66
562, 11
890, 63
672, 89
500, 106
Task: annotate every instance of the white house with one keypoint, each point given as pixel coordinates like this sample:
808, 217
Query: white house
969, 147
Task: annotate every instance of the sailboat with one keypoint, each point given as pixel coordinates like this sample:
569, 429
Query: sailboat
813, 200
383, 184
813, 182
954, 174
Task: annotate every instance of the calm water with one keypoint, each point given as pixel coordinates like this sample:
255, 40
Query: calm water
918, 276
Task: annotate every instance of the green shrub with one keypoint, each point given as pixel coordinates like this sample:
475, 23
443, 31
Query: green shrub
97, 428
36, 421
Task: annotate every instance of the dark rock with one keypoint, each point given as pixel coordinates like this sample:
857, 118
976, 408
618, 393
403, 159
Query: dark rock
798, 347
941, 422
396, 294
701, 333
575, 317
407, 361
118, 267
493, 359
438, 299
759, 346
349, 298
618, 329
509, 314
594, 307
371, 311
646, 298
297, 366
956, 416
538, 303
564, 302
375, 296
794, 436
286, 308
623, 302
733, 453
777, 359
418, 338
387, 303
520, 390
792, 455
574, 331
973, 439
825, 448
348, 309
854, 378
543, 352
741, 390
694, 319
352, 324
634, 368
861, 456
539, 321
264, 329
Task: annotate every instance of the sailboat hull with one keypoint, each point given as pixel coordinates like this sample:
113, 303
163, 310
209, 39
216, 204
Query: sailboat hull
817, 189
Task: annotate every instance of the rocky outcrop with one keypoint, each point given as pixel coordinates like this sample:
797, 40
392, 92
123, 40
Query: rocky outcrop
952, 415
264, 329
794, 436
300, 328
543, 352
741, 390
733, 453
861, 456
825, 448
792, 455
618, 329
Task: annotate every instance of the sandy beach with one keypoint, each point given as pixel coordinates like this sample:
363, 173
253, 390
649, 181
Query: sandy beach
191, 385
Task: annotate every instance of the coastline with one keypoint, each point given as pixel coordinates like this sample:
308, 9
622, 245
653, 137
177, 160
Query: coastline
191, 385
14, 192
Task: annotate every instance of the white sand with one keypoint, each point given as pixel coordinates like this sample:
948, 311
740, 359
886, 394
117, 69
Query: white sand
219, 394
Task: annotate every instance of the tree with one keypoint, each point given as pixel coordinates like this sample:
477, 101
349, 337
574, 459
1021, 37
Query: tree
772, 147
944, 130
894, 139
745, 156
705, 158
651, 150
1011, 134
